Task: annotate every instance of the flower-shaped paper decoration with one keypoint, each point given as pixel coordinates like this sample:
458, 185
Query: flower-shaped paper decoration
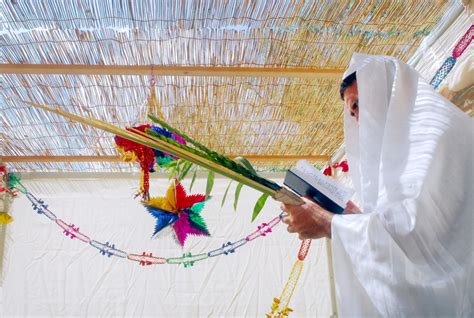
180, 210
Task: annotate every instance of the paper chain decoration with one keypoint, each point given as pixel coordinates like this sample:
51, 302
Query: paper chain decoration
145, 259
280, 307
449, 63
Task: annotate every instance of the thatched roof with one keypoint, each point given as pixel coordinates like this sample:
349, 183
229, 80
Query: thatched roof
264, 116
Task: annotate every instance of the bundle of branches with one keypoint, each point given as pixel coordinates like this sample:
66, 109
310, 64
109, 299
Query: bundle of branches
196, 153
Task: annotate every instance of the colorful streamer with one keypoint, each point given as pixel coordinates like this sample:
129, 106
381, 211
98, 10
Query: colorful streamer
144, 259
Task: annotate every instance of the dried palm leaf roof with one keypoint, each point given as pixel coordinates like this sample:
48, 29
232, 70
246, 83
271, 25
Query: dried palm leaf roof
267, 118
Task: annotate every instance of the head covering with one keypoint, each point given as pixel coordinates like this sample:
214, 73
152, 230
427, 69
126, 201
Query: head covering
410, 159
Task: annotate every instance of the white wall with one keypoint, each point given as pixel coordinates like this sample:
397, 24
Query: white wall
46, 273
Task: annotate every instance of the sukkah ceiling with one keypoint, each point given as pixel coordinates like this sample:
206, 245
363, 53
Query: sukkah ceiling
283, 105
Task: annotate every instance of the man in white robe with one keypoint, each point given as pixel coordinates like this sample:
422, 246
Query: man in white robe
410, 153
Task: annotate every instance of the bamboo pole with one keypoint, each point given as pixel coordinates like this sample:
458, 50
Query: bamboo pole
60, 158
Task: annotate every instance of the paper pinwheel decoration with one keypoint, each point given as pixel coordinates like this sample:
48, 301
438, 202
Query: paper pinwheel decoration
179, 210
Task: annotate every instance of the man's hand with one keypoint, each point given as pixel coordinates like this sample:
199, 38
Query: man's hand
309, 220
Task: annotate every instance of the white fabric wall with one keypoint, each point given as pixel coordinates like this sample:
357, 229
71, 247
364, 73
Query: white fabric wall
46, 273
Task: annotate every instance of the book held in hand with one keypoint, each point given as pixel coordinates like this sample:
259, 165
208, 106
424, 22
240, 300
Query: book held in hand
308, 181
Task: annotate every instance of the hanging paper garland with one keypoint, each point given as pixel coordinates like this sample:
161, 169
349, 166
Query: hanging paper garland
280, 305
449, 63
144, 259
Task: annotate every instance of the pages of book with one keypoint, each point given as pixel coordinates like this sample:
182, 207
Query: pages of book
337, 192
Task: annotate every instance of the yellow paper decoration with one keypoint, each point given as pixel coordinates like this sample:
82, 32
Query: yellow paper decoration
5, 218
280, 307
127, 156
167, 203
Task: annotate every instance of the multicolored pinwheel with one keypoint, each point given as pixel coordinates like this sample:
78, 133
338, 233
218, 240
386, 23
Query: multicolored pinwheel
180, 210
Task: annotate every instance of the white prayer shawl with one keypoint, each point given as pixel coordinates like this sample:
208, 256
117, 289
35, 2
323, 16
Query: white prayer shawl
411, 161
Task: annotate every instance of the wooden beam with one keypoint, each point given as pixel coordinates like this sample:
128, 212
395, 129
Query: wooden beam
117, 158
60, 159
307, 73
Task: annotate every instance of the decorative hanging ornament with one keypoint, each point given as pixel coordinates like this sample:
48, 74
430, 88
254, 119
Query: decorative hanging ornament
342, 165
147, 157
162, 159
179, 210
7, 193
449, 63
132, 151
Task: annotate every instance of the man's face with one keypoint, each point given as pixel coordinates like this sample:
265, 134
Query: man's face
351, 100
